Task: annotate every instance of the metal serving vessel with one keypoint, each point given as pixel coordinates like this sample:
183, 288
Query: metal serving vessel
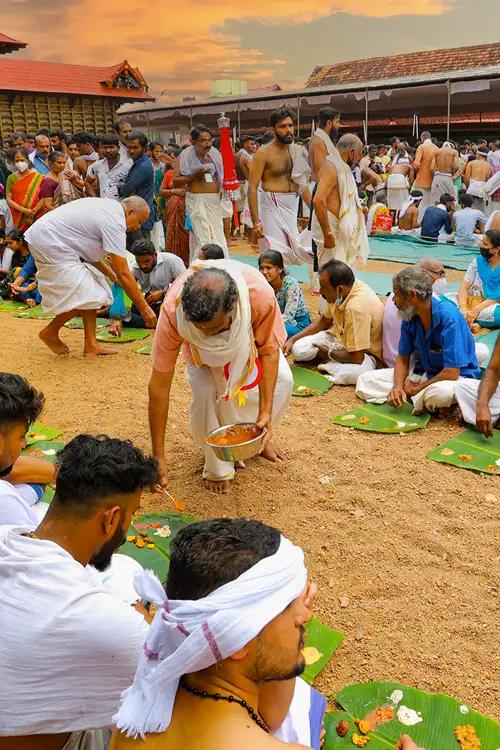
239, 451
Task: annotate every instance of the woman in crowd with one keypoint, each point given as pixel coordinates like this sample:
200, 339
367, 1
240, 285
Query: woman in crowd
23, 187
177, 239
51, 189
20, 284
287, 290
479, 293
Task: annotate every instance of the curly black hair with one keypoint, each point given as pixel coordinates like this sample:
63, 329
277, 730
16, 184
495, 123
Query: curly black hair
19, 401
208, 292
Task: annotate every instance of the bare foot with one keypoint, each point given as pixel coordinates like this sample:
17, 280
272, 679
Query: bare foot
273, 453
239, 465
53, 342
99, 350
219, 487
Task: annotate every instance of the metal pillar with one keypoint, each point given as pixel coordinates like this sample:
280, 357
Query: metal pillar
190, 117
366, 117
448, 85
298, 117
239, 122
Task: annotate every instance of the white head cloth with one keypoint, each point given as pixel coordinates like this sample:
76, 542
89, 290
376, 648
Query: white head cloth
236, 346
448, 144
187, 636
352, 225
189, 162
407, 203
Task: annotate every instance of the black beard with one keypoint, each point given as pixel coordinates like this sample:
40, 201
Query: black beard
333, 134
101, 560
7, 470
287, 139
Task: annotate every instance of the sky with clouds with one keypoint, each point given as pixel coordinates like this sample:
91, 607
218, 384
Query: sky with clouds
181, 46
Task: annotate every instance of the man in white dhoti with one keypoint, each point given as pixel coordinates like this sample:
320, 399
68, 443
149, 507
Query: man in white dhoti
437, 331
347, 337
228, 318
444, 166
69, 245
199, 169
476, 175
225, 645
401, 176
282, 171
243, 160
338, 226
70, 646
479, 401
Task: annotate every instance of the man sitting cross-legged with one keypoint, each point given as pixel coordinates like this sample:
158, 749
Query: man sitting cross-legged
348, 336
69, 645
437, 331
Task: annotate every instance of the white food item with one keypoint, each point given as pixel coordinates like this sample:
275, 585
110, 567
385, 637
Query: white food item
163, 531
401, 424
408, 716
464, 710
396, 697
50, 452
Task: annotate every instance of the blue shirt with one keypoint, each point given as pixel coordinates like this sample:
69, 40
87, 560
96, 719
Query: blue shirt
39, 163
139, 181
447, 343
29, 269
433, 221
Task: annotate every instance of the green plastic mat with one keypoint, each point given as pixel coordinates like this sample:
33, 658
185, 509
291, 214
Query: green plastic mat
383, 418
34, 313
39, 431
490, 340
156, 559
11, 306
44, 449
146, 349
321, 642
128, 334
470, 450
78, 323
305, 381
401, 249
437, 716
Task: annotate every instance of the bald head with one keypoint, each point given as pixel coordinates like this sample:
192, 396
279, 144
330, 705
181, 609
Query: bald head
350, 148
208, 299
136, 212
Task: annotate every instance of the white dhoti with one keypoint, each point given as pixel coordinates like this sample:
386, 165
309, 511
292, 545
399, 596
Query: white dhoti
340, 373
207, 226
476, 190
408, 232
208, 411
342, 250
442, 182
92, 739
425, 202
398, 190
374, 387
72, 285
466, 394
278, 216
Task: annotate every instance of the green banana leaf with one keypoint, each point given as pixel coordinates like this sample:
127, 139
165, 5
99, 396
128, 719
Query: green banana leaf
156, 559
470, 450
326, 641
11, 306
382, 418
44, 449
48, 495
128, 334
34, 313
146, 349
303, 378
440, 715
39, 431
77, 323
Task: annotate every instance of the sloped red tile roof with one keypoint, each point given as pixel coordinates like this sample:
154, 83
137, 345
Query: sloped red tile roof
7, 44
57, 78
411, 64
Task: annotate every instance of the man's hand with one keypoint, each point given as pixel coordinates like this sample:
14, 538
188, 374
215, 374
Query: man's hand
16, 289
406, 743
288, 346
199, 173
483, 420
411, 388
72, 176
323, 352
264, 421
259, 232
471, 315
149, 317
154, 297
163, 472
116, 327
329, 241
396, 397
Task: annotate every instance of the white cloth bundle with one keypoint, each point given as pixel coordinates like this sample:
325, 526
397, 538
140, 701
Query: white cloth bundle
236, 346
351, 218
189, 162
492, 185
187, 636
301, 171
408, 202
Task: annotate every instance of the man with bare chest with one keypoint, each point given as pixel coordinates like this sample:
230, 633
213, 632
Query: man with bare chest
200, 170
401, 175
408, 222
476, 174
243, 160
280, 168
444, 166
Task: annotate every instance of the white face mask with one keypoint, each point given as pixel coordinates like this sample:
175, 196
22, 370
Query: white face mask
440, 286
22, 166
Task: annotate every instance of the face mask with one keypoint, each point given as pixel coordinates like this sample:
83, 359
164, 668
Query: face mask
486, 253
21, 166
440, 286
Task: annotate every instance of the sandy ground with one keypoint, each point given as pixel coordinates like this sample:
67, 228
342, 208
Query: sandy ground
410, 543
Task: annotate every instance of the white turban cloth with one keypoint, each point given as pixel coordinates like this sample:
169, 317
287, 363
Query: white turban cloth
187, 636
